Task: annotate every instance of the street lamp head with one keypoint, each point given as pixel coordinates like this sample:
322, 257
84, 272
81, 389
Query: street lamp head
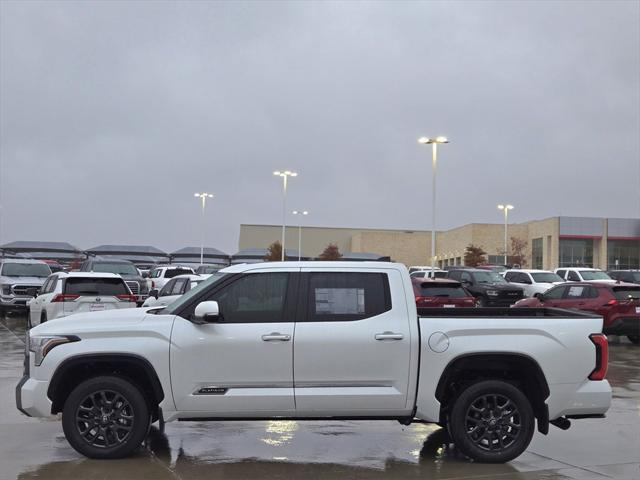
286, 173
277, 173
505, 207
509, 207
196, 194
428, 141
300, 212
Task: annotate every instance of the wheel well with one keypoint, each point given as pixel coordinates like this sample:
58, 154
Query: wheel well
519, 370
76, 370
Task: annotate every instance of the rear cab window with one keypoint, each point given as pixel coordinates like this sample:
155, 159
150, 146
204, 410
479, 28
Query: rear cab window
95, 286
347, 296
174, 272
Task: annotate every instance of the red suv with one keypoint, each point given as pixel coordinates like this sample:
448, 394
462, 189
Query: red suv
618, 303
441, 292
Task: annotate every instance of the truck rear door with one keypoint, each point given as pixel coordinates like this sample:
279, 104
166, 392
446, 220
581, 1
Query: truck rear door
352, 348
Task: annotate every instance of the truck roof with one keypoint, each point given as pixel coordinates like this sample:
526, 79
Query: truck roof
245, 267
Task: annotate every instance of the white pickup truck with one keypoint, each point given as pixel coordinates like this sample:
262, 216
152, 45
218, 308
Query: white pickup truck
316, 340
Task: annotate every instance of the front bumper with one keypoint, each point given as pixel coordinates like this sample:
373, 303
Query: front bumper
31, 397
14, 303
623, 326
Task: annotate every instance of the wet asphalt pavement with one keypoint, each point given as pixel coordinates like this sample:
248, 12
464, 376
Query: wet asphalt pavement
591, 449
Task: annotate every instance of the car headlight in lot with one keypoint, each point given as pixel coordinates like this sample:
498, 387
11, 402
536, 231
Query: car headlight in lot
492, 293
6, 289
40, 346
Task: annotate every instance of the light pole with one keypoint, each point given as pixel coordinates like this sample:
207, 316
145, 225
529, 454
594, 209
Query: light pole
434, 162
203, 196
284, 176
506, 209
300, 212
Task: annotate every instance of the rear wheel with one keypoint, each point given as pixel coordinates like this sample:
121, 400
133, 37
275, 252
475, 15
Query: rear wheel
492, 421
634, 339
105, 417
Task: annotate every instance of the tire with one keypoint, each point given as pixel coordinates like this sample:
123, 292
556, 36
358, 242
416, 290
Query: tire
635, 339
106, 417
492, 422
481, 302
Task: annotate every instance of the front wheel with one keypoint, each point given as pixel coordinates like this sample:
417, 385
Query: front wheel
492, 421
481, 302
105, 417
634, 339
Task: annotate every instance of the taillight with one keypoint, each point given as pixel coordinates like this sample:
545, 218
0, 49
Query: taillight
611, 303
602, 356
424, 299
126, 297
153, 284
65, 297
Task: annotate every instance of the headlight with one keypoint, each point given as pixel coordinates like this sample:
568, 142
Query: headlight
6, 289
42, 345
492, 293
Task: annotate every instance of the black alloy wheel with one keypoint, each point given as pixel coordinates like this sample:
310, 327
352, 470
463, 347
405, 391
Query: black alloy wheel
105, 417
492, 421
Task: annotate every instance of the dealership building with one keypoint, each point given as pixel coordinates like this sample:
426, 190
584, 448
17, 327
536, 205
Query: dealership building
606, 243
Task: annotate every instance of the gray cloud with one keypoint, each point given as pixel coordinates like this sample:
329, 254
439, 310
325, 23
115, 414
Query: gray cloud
112, 114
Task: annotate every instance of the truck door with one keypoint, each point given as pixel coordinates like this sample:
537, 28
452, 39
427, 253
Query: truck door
352, 352
242, 365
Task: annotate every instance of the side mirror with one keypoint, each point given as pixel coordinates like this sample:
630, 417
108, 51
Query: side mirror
154, 293
207, 312
467, 283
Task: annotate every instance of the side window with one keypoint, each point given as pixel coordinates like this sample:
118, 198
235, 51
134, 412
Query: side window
178, 286
575, 291
455, 275
561, 273
510, 276
166, 290
465, 277
53, 284
573, 276
253, 298
347, 296
555, 293
156, 273
591, 292
46, 285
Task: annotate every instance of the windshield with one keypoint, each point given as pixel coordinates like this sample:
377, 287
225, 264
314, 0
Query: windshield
546, 277
118, 268
26, 270
594, 275
175, 306
488, 277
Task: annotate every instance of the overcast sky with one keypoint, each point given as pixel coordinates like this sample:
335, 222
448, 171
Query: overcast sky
112, 114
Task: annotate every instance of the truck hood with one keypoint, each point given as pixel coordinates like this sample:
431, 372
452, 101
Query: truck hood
23, 280
91, 322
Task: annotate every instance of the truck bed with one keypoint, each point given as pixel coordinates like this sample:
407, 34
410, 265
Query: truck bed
503, 312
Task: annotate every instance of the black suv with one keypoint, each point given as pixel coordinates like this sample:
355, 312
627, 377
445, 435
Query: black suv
125, 269
631, 276
489, 288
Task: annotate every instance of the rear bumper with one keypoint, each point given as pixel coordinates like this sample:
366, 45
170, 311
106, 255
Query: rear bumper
501, 302
587, 399
623, 326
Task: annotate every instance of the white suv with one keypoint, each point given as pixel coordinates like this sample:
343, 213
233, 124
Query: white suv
532, 281
159, 276
583, 274
172, 290
65, 293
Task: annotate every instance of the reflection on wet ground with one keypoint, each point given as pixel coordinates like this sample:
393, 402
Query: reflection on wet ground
591, 449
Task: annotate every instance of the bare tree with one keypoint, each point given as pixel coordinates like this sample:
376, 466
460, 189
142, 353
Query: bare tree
518, 252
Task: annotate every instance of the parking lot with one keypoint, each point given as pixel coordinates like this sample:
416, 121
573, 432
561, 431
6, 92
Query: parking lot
591, 449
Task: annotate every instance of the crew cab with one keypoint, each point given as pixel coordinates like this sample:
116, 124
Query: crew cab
316, 340
159, 276
583, 274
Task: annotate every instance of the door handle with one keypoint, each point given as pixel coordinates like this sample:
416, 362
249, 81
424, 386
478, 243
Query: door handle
389, 336
276, 337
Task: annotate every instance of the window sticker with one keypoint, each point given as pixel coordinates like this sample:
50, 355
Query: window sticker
340, 301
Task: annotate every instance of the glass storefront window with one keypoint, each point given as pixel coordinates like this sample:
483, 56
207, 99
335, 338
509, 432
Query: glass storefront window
623, 254
536, 253
576, 252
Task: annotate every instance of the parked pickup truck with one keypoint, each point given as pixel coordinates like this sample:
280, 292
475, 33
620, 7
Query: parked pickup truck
316, 340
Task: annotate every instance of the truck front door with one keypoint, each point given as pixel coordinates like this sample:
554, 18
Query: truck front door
352, 353
243, 364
